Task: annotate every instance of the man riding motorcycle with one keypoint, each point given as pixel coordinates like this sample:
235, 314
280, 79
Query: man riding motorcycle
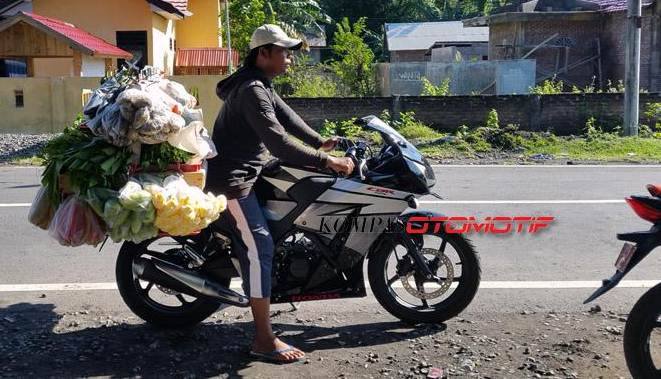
254, 121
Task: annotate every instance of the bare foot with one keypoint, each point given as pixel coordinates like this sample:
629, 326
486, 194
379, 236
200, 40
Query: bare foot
272, 344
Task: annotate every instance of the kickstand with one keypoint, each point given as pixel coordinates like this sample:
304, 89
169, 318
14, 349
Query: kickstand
295, 306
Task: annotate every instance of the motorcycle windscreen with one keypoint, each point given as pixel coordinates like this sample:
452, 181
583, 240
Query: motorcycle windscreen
407, 148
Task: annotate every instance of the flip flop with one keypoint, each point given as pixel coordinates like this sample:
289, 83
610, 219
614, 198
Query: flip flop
272, 356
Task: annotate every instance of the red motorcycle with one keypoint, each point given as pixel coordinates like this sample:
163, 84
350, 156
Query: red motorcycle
644, 322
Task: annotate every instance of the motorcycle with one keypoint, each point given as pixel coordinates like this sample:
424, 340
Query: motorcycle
646, 313
324, 228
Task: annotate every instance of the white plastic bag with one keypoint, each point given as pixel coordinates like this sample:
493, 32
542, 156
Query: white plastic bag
178, 92
41, 211
194, 139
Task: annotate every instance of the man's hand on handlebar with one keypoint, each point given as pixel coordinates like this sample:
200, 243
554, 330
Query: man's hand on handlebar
330, 144
344, 165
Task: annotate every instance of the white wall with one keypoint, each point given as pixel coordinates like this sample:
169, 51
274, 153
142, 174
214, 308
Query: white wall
93, 67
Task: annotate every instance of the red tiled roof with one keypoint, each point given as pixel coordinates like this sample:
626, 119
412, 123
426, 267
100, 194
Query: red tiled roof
205, 57
80, 39
181, 5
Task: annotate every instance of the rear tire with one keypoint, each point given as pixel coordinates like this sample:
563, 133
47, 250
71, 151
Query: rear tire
447, 309
640, 324
148, 310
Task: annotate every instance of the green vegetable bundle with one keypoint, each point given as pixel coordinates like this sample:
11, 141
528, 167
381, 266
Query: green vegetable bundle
87, 160
161, 155
128, 214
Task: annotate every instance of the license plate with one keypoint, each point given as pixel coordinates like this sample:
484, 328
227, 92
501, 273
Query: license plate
625, 256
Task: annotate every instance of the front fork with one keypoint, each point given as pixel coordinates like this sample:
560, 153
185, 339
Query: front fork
413, 250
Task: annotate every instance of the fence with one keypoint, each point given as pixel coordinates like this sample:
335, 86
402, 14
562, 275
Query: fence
50, 104
466, 78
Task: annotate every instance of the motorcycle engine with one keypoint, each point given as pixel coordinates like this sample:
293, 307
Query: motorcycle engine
295, 259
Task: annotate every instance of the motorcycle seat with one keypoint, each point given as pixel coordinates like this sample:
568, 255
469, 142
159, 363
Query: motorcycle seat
654, 189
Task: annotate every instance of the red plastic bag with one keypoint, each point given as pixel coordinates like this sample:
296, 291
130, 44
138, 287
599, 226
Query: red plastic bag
75, 224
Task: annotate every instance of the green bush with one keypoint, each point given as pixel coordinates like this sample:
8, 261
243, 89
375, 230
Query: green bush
429, 89
548, 87
492, 119
411, 128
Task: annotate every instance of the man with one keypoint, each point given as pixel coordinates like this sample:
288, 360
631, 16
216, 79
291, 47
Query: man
253, 121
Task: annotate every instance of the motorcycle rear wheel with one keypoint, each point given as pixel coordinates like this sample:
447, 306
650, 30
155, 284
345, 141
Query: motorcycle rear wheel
185, 312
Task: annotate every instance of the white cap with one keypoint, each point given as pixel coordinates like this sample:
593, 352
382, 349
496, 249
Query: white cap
273, 34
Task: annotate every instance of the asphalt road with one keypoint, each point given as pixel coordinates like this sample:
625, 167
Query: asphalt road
579, 247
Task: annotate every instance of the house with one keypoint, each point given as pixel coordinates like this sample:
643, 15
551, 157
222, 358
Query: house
155, 30
577, 41
28, 42
416, 42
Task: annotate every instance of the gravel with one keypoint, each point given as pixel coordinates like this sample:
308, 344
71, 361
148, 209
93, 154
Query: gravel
16, 146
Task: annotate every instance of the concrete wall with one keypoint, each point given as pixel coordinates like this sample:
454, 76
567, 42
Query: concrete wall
52, 103
564, 114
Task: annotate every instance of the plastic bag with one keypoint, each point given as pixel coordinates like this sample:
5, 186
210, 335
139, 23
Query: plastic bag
114, 128
178, 92
191, 115
75, 224
41, 211
194, 139
132, 100
101, 97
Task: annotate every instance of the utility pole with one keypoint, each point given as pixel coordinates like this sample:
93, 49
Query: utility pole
632, 68
229, 37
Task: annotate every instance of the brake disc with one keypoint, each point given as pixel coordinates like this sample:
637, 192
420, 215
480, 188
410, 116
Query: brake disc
167, 291
444, 284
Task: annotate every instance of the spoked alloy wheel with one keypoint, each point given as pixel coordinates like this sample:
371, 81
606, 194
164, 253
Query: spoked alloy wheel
411, 297
153, 303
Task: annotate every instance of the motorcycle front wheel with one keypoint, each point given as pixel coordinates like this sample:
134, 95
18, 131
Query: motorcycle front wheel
642, 336
405, 294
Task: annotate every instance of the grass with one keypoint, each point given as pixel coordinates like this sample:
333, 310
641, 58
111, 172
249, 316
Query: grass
27, 161
576, 148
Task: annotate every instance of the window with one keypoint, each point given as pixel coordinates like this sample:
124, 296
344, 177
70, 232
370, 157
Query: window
18, 98
171, 44
135, 42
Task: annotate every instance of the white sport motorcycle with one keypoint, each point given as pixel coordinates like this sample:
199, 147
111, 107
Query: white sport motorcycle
324, 228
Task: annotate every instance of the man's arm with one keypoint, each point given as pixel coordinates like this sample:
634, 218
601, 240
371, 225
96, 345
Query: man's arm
295, 125
261, 116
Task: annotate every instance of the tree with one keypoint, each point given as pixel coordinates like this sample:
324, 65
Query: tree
354, 66
377, 13
296, 17
245, 17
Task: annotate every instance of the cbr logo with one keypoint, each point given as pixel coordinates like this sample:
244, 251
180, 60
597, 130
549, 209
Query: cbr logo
381, 190
323, 296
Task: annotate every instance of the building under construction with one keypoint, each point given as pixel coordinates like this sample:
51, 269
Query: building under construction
578, 42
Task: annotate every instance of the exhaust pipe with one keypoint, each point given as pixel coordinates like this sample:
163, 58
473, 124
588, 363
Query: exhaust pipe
185, 281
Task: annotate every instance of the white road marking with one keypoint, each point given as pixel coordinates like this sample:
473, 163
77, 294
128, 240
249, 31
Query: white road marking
26, 205
544, 166
522, 201
236, 284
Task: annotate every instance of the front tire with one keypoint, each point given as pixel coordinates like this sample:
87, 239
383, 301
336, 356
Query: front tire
381, 282
188, 313
642, 320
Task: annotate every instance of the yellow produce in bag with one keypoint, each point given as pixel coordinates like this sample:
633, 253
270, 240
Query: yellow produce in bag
182, 209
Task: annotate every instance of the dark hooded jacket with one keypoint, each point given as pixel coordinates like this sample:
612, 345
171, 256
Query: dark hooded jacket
252, 122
